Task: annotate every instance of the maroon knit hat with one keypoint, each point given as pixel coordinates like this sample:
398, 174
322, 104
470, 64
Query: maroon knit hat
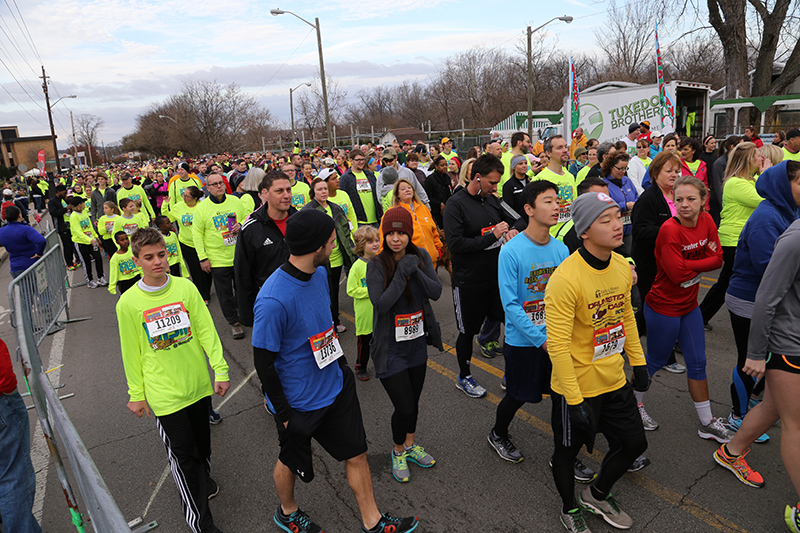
398, 219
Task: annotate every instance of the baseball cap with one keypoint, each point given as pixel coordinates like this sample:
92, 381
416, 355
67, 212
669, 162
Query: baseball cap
326, 173
389, 154
407, 141
8, 192
445, 140
646, 123
792, 133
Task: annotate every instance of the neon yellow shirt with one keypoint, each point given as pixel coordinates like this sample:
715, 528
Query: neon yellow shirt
301, 194
787, 155
739, 200
105, 225
128, 225
169, 371
175, 191
357, 290
183, 215
137, 193
81, 227
693, 166
582, 174
367, 200
505, 158
342, 199
566, 194
121, 267
211, 237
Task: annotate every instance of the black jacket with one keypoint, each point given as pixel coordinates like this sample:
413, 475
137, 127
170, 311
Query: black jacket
57, 212
512, 195
439, 188
260, 250
473, 247
649, 213
347, 183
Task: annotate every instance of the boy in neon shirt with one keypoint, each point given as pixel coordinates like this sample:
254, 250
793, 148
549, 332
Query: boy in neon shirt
129, 221
165, 332
124, 272
87, 244
176, 266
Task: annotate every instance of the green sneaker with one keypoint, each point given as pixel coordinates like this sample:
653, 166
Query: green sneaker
400, 467
491, 349
792, 517
417, 455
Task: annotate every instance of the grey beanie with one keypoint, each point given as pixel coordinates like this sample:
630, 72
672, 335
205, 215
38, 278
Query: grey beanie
389, 175
588, 207
516, 160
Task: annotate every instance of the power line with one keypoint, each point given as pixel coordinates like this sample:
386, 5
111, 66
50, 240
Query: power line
29, 32
19, 70
20, 105
20, 85
14, 44
28, 39
284, 63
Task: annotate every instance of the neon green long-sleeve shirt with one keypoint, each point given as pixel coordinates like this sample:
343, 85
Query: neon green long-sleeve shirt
137, 193
212, 240
81, 227
184, 216
169, 371
121, 267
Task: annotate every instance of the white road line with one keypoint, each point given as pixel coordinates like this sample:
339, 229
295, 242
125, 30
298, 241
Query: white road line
40, 453
165, 473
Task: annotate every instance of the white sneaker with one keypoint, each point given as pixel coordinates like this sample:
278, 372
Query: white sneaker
92, 284
102, 282
716, 430
648, 423
675, 368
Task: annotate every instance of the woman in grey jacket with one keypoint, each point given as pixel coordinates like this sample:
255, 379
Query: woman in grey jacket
773, 351
401, 282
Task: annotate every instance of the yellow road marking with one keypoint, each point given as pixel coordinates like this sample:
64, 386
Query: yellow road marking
670, 496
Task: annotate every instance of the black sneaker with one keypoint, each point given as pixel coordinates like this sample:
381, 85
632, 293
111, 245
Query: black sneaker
213, 488
394, 525
297, 522
582, 473
639, 463
505, 448
214, 417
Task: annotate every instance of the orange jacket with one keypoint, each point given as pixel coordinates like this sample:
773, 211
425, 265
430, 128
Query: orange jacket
425, 233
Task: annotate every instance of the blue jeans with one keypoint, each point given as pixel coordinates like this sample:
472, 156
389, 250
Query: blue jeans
17, 478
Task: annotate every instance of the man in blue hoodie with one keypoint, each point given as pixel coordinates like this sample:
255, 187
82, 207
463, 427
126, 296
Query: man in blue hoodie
24, 244
780, 188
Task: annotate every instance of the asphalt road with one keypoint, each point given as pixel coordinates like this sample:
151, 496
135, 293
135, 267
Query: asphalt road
469, 489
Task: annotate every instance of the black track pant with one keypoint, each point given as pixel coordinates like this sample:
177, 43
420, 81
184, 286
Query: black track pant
404, 390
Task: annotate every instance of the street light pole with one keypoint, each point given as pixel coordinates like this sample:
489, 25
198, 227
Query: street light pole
291, 106
276, 12
565, 18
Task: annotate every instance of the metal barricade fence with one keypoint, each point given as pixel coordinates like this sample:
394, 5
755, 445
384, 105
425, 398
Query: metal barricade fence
37, 297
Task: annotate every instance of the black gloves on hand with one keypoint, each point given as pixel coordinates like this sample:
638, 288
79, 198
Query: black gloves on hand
582, 420
640, 379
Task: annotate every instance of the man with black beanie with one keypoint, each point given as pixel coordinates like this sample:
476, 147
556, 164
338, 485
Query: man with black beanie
309, 392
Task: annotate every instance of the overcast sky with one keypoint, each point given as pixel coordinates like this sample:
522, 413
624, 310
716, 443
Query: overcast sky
118, 56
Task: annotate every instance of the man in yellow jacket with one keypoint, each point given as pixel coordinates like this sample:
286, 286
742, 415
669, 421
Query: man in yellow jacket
578, 140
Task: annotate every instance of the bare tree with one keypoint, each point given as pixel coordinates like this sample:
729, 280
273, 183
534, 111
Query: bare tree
627, 42
310, 106
87, 128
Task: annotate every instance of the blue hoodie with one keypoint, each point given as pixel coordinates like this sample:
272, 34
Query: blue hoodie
22, 242
765, 225
623, 195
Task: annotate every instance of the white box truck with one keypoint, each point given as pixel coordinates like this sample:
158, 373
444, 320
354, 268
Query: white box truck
607, 109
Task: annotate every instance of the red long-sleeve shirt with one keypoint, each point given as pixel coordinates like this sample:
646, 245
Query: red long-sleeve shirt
8, 381
682, 255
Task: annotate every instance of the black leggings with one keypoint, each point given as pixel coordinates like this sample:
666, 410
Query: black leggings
334, 274
109, 247
404, 390
464, 353
362, 354
201, 279
86, 253
506, 410
715, 297
742, 385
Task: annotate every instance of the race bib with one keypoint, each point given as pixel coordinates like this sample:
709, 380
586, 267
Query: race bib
129, 228
608, 341
486, 231
166, 319
626, 219
109, 226
228, 238
564, 213
326, 347
363, 185
694, 281
535, 311
408, 327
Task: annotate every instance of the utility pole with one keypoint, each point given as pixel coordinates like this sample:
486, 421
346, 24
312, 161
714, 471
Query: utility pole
530, 85
50, 117
74, 142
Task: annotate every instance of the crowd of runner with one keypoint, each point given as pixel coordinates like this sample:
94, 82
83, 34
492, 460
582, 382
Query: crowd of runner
575, 247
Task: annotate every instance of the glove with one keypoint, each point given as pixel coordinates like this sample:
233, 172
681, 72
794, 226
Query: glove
407, 265
580, 416
640, 379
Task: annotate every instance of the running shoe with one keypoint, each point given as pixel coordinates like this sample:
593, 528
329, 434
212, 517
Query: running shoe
297, 522
491, 349
470, 387
648, 423
716, 430
102, 282
73, 267
708, 327
639, 463
237, 331
505, 448
341, 328
214, 417
792, 517
752, 402
417, 455
581, 472
739, 467
213, 488
675, 368
361, 375
400, 467
608, 509
574, 521
503, 383
92, 284
735, 423
390, 524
